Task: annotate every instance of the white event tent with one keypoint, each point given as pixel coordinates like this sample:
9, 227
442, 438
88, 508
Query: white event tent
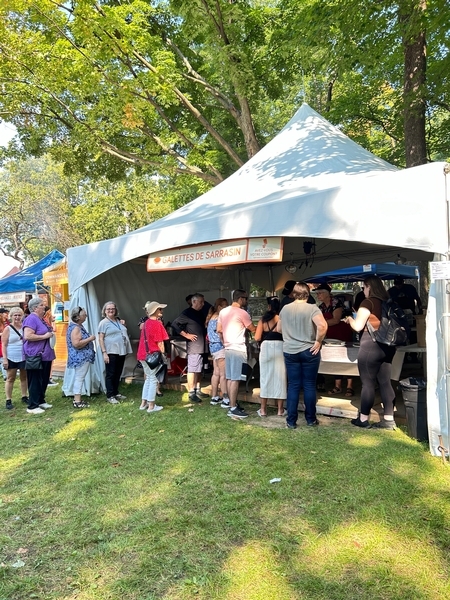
310, 184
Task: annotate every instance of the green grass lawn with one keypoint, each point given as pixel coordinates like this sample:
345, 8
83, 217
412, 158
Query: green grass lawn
112, 503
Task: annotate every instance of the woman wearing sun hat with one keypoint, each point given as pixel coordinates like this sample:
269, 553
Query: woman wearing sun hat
153, 335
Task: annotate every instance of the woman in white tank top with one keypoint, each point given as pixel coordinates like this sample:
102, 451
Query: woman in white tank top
12, 342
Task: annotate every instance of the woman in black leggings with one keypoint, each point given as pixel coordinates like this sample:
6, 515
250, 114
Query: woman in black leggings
374, 359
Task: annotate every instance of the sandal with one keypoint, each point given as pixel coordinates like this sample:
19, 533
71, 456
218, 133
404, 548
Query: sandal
335, 390
349, 392
80, 404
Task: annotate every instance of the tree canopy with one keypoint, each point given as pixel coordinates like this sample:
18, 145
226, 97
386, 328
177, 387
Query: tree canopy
135, 93
43, 209
196, 87
35, 202
171, 87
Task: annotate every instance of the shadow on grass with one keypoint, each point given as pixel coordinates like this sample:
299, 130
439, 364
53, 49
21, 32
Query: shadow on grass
111, 502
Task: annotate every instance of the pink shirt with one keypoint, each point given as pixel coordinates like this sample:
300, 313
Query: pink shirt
234, 322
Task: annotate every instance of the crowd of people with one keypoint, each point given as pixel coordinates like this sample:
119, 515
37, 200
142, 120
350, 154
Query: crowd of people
290, 335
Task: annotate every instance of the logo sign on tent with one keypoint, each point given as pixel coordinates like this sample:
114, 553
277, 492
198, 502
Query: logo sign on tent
13, 298
57, 276
218, 254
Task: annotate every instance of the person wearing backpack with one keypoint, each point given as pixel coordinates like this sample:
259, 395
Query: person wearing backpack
374, 358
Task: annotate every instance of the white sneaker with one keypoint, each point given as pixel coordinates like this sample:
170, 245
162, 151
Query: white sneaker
156, 408
121, 397
35, 411
52, 383
112, 400
45, 405
144, 407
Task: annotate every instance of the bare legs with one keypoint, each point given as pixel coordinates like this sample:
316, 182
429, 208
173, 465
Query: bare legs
338, 385
11, 378
233, 389
280, 406
218, 376
192, 380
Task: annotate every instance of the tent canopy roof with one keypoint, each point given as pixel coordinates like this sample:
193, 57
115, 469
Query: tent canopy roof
312, 182
25, 280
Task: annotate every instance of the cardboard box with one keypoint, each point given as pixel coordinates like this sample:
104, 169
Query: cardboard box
420, 325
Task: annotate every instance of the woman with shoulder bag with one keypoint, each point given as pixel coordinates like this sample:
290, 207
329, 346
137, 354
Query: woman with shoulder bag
153, 335
12, 344
38, 354
81, 353
374, 358
115, 345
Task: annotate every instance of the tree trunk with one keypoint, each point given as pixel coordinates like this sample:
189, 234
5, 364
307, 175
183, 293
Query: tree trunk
245, 122
424, 286
411, 15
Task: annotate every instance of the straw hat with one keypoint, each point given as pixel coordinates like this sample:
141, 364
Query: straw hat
152, 307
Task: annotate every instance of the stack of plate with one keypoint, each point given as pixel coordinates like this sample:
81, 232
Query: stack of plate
331, 342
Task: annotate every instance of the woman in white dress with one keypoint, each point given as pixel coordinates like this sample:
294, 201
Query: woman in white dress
271, 361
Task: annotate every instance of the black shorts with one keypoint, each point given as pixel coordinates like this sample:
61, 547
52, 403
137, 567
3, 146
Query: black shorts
15, 365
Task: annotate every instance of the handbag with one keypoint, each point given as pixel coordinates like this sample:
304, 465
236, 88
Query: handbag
33, 363
153, 359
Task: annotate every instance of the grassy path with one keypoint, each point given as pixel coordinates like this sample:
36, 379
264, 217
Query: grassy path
112, 503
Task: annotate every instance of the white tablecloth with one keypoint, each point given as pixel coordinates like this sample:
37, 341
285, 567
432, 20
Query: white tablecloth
343, 360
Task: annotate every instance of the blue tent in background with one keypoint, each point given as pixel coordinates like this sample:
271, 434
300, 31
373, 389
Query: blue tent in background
25, 280
382, 270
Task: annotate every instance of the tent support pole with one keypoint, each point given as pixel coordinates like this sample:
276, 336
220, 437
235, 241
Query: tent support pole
271, 284
446, 328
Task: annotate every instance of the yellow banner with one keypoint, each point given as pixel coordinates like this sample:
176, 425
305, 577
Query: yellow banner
57, 276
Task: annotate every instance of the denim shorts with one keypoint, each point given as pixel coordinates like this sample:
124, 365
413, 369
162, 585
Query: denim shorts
234, 359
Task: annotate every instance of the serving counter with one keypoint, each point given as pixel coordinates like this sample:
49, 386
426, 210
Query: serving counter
343, 360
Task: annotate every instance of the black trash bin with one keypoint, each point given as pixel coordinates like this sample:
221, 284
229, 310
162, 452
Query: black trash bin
414, 392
